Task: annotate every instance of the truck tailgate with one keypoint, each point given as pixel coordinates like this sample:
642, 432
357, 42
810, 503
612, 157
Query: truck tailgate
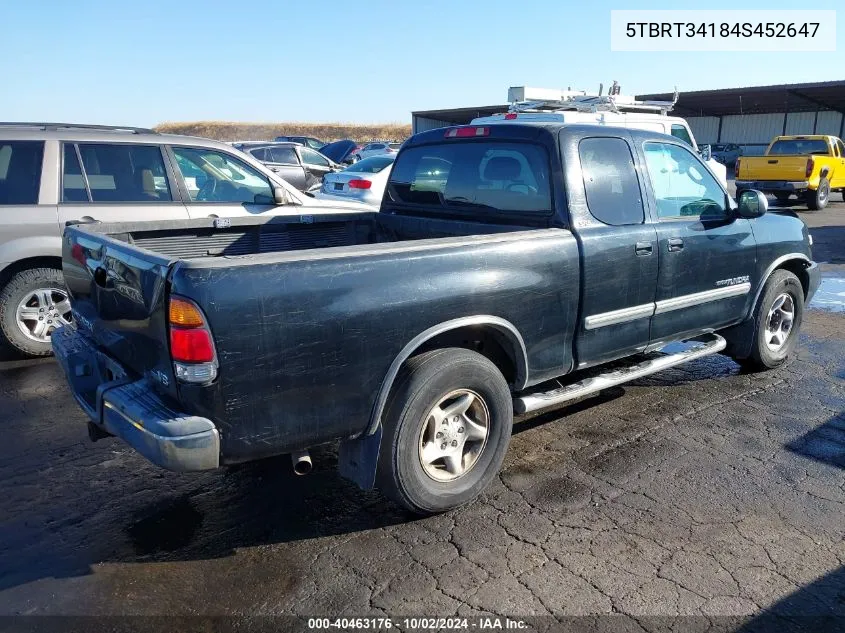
780, 167
118, 294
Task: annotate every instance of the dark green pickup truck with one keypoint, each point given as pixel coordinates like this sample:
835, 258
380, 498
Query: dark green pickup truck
537, 264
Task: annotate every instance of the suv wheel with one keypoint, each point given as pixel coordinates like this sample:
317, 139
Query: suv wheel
32, 305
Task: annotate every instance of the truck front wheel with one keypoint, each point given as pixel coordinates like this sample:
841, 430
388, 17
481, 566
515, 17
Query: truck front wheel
818, 199
777, 320
447, 427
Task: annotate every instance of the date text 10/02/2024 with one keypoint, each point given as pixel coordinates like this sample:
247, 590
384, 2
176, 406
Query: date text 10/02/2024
417, 623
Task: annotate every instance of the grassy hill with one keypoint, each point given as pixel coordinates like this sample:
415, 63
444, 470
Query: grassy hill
233, 131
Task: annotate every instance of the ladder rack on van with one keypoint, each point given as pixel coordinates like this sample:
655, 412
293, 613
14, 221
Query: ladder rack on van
583, 102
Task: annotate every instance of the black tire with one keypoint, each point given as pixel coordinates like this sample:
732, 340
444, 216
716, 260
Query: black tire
782, 197
762, 356
818, 199
423, 383
21, 284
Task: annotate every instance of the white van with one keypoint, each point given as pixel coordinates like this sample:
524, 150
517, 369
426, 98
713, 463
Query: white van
544, 105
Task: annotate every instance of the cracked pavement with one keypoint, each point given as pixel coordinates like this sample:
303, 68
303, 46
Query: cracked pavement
698, 491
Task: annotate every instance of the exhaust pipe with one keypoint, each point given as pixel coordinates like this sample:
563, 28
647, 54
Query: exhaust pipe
301, 462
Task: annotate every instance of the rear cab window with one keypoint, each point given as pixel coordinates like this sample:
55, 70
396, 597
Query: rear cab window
20, 171
492, 176
371, 165
799, 147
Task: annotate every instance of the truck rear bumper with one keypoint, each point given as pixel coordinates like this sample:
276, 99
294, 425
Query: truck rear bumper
131, 410
774, 185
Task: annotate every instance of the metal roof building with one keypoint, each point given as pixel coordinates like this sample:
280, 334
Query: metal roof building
749, 117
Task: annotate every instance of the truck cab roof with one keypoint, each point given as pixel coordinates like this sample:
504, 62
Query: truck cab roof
531, 130
632, 120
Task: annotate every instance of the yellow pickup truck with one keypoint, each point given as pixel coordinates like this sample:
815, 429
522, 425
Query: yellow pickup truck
807, 166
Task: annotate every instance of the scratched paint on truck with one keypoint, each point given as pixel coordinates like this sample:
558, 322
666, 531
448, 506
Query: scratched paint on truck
340, 322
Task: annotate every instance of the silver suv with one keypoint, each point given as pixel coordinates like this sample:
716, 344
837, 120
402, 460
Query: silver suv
51, 174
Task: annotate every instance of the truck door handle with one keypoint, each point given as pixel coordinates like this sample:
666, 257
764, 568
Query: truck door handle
644, 248
675, 244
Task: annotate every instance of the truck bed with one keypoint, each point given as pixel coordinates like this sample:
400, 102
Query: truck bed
310, 312
209, 238
776, 168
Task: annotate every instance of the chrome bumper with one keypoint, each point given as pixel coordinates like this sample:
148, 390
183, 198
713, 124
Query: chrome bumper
773, 185
132, 411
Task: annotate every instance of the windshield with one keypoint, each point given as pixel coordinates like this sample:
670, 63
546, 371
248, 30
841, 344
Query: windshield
800, 147
371, 165
496, 175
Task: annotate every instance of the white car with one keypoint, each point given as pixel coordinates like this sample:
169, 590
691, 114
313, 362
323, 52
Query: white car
376, 149
364, 181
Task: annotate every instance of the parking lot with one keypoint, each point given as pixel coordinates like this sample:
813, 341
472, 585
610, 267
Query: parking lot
701, 491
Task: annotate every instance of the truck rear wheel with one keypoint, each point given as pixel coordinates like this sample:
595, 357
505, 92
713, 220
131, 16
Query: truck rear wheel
33, 304
818, 199
777, 321
447, 427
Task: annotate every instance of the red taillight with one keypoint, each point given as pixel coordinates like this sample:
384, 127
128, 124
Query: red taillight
810, 165
736, 168
78, 253
464, 132
191, 345
359, 183
510, 117
190, 338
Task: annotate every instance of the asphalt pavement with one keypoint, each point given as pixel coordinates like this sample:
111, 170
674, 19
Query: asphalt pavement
702, 492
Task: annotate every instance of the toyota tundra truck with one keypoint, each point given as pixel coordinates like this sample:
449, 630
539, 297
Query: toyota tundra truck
810, 167
511, 269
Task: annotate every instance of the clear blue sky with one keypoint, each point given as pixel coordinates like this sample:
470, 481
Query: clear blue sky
142, 63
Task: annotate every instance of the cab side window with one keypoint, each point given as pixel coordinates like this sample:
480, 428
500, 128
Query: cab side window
610, 181
681, 133
841, 147
683, 186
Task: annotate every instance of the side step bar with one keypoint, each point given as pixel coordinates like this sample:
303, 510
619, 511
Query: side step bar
653, 363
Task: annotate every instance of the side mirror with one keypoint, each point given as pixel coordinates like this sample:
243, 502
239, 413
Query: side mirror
706, 152
752, 204
280, 196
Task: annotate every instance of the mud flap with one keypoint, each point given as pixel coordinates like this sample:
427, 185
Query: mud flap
358, 459
740, 338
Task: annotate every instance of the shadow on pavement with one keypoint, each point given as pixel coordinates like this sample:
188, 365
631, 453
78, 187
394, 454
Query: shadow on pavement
827, 244
825, 443
816, 608
259, 503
